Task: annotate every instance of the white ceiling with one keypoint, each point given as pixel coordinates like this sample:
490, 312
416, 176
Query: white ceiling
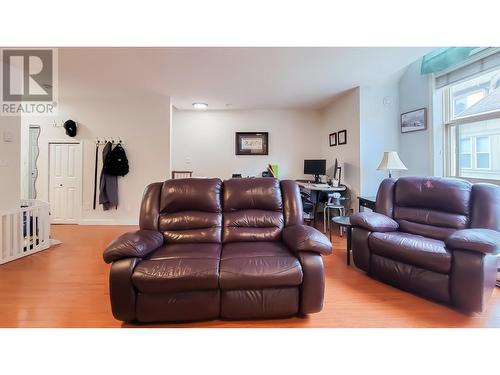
235, 78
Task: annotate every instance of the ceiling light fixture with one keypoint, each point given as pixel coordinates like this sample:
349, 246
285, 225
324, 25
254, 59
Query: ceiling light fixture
200, 105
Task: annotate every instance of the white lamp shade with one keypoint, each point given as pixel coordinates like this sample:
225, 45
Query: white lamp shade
391, 162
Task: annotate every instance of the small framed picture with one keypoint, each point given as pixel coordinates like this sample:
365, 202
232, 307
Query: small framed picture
252, 143
414, 120
342, 137
333, 139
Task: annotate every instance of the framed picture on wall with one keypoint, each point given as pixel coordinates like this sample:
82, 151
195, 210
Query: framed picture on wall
333, 139
414, 120
252, 143
342, 137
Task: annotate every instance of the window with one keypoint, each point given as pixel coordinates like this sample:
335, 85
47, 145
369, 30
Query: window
483, 152
465, 154
472, 123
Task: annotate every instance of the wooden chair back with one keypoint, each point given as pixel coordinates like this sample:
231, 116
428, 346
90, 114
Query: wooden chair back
182, 174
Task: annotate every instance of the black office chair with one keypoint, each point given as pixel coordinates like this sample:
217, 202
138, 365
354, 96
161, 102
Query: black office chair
307, 205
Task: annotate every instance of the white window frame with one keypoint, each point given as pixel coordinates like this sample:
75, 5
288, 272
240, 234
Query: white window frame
449, 123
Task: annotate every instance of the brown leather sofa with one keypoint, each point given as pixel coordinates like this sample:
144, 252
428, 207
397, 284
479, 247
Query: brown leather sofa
209, 249
437, 237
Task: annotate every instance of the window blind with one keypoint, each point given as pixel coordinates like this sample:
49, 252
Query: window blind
478, 65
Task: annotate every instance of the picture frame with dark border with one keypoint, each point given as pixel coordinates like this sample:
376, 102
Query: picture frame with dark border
342, 137
332, 137
413, 121
252, 143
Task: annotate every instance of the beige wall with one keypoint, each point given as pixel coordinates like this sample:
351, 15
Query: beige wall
204, 141
143, 124
344, 113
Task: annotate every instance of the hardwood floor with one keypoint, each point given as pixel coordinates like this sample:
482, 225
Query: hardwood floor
67, 286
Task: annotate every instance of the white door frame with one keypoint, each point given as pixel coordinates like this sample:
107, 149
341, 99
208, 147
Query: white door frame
79, 172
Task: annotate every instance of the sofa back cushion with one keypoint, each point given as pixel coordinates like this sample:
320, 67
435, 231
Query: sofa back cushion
190, 210
431, 206
253, 210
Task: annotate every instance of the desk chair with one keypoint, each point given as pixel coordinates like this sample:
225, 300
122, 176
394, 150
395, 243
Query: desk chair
307, 205
181, 174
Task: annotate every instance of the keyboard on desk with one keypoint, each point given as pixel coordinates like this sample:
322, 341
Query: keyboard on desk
321, 186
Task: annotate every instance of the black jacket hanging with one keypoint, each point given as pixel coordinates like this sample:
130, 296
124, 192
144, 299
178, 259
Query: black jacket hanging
117, 162
108, 187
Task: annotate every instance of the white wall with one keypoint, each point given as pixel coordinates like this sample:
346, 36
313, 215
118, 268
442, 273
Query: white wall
204, 141
372, 128
143, 124
10, 164
416, 147
379, 132
344, 113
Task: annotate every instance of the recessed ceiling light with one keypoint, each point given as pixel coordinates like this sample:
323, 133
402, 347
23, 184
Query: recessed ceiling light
200, 105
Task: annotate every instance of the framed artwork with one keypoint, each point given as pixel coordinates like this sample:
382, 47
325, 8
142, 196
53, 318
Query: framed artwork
414, 120
252, 143
333, 139
342, 137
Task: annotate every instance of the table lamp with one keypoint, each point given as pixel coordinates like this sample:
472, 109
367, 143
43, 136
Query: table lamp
391, 162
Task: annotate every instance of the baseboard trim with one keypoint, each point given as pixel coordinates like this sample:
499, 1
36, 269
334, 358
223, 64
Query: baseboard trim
109, 222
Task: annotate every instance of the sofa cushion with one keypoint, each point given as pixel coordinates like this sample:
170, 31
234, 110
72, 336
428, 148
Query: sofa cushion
179, 267
423, 252
258, 265
429, 223
252, 194
191, 226
449, 195
252, 225
191, 194
253, 210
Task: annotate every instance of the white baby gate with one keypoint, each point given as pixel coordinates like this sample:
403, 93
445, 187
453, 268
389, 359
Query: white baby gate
24, 232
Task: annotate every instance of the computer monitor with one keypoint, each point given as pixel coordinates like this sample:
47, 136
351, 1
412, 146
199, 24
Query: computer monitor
316, 168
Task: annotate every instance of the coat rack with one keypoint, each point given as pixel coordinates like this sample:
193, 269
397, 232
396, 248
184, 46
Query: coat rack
103, 141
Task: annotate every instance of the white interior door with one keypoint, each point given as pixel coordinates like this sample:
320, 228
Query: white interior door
65, 194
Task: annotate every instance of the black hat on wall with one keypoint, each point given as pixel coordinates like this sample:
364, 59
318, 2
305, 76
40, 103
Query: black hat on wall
70, 127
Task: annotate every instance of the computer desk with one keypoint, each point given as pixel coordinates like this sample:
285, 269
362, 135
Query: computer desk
318, 189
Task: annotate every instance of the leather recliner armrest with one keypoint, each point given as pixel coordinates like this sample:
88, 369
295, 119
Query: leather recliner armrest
486, 241
306, 238
374, 222
133, 244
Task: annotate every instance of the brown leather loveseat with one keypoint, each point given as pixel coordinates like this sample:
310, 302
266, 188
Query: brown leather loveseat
209, 249
437, 237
